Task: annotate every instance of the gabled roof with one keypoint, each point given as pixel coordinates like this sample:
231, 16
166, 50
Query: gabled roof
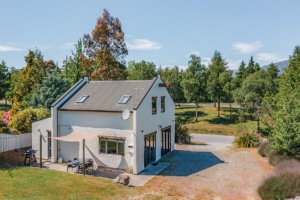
106, 95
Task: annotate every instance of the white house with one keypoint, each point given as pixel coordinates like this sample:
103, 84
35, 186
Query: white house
125, 124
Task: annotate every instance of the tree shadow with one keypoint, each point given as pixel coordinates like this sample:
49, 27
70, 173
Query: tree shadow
185, 163
189, 116
221, 120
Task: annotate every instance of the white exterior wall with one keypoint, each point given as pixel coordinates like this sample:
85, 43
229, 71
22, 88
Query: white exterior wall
54, 116
40, 128
96, 123
147, 123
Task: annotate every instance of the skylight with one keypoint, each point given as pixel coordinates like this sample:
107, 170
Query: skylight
124, 99
82, 98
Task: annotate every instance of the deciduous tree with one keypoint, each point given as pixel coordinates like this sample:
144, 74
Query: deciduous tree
141, 71
194, 82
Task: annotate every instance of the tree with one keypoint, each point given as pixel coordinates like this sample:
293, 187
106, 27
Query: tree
194, 82
141, 71
214, 83
173, 78
52, 87
285, 136
30, 77
4, 82
22, 121
252, 67
227, 78
253, 90
72, 68
105, 50
13, 79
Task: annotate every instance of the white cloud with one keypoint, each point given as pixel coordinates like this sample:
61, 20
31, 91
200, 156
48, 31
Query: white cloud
233, 64
196, 53
246, 48
5, 48
205, 61
143, 44
68, 45
269, 57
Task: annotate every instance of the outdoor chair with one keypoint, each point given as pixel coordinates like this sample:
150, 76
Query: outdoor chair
90, 166
73, 166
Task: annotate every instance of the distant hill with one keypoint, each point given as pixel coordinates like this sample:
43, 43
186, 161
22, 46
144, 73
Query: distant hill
281, 65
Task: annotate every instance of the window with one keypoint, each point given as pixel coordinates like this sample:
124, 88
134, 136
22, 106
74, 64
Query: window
124, 99
112, 146
154, 105
149, 148
82, 98
162, 104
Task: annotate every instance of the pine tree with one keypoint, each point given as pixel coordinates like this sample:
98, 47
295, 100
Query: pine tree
105, 50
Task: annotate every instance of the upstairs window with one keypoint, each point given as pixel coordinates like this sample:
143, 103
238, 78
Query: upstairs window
82, 98
124, 99
154, 110
162, 104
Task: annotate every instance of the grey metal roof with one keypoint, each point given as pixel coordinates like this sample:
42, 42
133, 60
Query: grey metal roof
105, 95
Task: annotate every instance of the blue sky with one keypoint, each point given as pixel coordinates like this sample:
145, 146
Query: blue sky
165, 32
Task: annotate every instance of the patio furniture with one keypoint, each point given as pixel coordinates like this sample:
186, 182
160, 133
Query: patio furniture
77, 163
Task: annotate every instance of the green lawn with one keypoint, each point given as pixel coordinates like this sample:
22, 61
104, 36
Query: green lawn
209, 122
36, 183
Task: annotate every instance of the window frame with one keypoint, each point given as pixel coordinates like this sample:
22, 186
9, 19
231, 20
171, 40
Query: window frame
154, 105
124, 99
162, 104
82, 98
116, 140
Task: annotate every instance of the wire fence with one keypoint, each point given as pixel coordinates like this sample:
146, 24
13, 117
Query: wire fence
10, 142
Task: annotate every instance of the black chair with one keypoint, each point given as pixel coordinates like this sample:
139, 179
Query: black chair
69, 165
74, 166
90, 166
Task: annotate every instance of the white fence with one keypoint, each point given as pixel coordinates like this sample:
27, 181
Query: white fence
10, 142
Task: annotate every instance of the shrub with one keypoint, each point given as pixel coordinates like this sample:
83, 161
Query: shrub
284, 183
181, 133
246, 139
22, 121
264, 149
275, 158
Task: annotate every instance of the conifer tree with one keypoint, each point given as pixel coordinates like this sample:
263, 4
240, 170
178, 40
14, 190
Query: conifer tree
105, 50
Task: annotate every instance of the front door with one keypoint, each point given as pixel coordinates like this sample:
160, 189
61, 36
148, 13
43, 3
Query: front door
165, 140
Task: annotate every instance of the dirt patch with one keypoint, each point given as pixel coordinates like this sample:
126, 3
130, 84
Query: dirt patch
15, 157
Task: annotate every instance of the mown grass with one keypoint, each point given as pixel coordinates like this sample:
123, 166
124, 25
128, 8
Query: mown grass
209, 122
37, 183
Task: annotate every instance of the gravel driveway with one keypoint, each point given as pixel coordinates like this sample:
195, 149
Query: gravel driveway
211, 169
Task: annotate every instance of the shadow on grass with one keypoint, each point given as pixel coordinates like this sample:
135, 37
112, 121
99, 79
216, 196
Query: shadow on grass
189, 116
220, 120
185, 163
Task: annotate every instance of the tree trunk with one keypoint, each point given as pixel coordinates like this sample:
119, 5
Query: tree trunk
219, 105
230, 116
196, 112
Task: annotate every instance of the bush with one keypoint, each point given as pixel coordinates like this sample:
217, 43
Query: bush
181, 133
22, 121
284, 183
275, 158
264, 149
246, 139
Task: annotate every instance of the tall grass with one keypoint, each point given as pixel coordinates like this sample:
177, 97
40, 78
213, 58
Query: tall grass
283, 183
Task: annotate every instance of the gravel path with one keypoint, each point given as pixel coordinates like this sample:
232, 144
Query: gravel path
210, 170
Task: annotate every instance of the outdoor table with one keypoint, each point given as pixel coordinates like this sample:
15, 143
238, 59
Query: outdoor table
76, 163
